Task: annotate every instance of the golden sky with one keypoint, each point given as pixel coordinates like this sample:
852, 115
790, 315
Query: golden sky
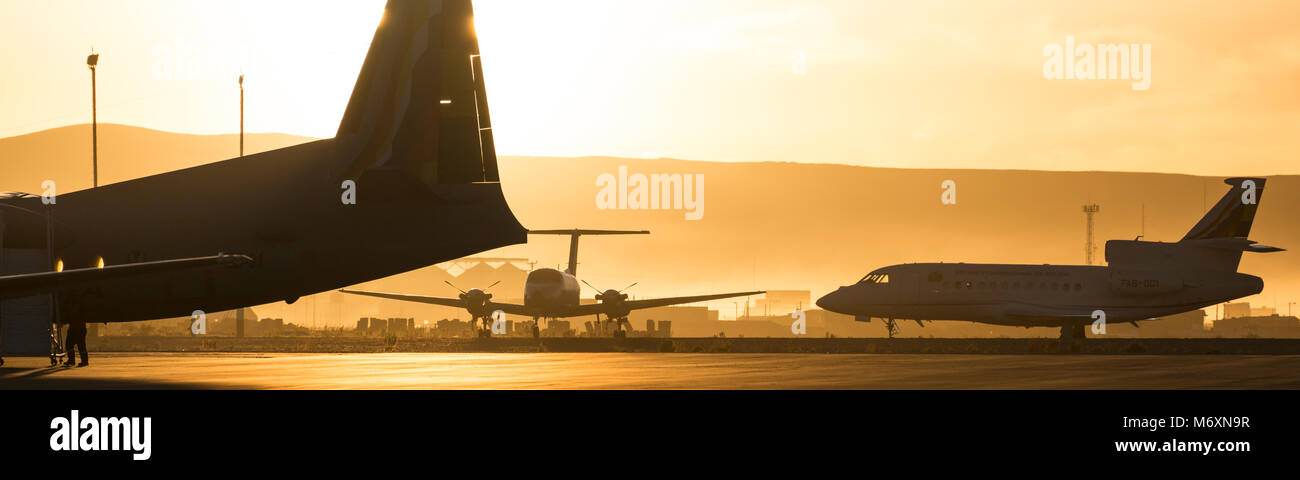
931, 84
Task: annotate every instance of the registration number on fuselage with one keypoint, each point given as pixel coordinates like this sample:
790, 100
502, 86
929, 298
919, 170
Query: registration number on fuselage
1145, 283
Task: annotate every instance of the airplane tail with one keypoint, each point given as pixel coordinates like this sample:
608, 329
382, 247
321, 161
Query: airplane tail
1216, 242
573, 241
420, 104
1233, 215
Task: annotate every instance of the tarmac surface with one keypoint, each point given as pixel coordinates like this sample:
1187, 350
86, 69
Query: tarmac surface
653, 371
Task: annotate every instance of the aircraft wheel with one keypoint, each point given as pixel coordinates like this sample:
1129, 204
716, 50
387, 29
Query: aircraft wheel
537, 332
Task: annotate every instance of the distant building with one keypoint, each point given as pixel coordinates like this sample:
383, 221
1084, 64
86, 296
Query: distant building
1236, 310
1262, 327
557, 328
453, 328
665, 329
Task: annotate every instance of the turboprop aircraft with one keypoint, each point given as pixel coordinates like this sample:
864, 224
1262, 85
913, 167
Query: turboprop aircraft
410, 180
551, 294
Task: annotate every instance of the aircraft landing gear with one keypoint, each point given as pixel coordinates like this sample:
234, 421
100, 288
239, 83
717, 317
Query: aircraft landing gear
621, 327
484, 327
618, 331
891, 327
537, 331
1071, 334
57, 351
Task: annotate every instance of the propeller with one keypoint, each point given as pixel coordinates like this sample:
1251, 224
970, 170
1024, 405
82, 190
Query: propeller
610, 295
613, 303
476, 300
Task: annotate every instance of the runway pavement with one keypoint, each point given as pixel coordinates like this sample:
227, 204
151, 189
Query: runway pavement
653, 371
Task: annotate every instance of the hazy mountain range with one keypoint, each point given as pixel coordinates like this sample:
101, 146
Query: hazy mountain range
786, 226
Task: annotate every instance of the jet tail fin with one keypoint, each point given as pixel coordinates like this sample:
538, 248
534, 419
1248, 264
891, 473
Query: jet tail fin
1234, 214
420, 104
1216, 242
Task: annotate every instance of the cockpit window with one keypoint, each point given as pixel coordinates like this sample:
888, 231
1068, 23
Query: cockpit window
875, 278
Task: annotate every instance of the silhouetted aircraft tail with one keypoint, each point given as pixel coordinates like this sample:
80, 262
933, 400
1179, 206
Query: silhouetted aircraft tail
573, 241
420, 104
1234, 214
1214, 243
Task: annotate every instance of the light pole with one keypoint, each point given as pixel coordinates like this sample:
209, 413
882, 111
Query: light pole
241, 115
239, 314
92, 61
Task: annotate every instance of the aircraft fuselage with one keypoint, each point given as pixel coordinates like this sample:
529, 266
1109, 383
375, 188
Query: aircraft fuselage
1035, 295
281, 208
550, 290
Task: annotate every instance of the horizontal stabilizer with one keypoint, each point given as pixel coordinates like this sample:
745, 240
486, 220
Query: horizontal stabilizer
577, 233
1264, 249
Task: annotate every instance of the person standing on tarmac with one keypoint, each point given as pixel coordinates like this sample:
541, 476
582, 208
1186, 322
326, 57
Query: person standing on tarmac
76, 336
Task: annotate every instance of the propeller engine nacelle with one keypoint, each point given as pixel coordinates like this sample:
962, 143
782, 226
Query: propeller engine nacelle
611, 296
476, 300
613, 302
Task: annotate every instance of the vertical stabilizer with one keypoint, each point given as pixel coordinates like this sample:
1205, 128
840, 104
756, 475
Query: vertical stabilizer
420, 104
1234, 214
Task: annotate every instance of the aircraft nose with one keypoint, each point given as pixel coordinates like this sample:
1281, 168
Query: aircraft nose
836, 301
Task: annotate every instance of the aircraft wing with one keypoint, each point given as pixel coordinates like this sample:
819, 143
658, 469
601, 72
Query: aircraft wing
31, 283
510, 308
575, 311
595, 308
664, 302
446, 302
